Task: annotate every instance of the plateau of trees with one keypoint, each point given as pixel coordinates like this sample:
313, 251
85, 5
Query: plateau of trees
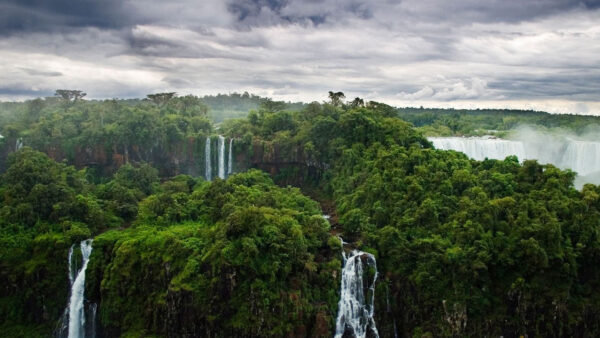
464, 248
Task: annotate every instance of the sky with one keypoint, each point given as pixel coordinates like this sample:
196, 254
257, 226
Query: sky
524, 54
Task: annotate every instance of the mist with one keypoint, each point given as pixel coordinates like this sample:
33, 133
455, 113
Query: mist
561, 148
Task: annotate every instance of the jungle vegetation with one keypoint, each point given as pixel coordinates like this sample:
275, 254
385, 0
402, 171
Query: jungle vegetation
463, 247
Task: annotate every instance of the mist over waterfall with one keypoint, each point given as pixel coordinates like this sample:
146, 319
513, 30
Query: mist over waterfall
480, 148
230, 158
207, 161
221, 157
73, 323
563, 151
356, 305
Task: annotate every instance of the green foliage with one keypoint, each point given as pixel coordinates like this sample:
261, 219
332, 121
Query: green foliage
248, 261
464, 248
461, 122
505, 245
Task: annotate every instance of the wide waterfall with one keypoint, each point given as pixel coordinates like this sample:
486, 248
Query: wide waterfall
230, 159
356, 305
207, 161
479, 148
581, 156
73, 322
221, 157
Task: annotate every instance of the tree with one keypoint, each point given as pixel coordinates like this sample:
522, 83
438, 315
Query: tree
357, 102
69, 95
161, 98
268, 105
336, 98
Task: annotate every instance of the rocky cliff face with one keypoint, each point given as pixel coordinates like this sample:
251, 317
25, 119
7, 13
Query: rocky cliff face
287, 164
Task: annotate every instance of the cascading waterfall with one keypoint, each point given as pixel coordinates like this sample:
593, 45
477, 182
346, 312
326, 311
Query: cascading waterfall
479, 148
73, 320
207, 161
76, 309
356, 305
221, 157
581, 156
230, 159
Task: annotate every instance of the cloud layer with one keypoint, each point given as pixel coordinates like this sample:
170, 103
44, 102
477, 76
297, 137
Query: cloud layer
512, 53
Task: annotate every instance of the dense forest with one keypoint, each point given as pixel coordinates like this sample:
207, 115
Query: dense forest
463, 122
463, 247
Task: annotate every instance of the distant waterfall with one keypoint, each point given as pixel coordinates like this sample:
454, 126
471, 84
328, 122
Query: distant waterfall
356, 305
479, 148
18, 144
221, 157
581, 156
75, 312
230, 159
207, 161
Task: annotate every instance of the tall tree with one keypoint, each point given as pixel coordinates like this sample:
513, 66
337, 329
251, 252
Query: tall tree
161, 98
69, 95
336, 98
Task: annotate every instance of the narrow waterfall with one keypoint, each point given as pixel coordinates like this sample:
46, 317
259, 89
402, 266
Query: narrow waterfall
18, 144
230, 159
207, 162
356, 305
221, 157
72, 324
76, 309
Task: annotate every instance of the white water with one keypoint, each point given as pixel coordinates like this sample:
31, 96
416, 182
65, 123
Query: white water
230, 162
71, 272
221, 157
207, 161
580, 156
18, 144
355, 308
76, 308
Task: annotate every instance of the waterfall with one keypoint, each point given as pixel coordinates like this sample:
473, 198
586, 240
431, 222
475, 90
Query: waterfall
479, 148
581, 156
76, 300
230, 162
18, 144
356, 305
71, 272
207, 162
221, 157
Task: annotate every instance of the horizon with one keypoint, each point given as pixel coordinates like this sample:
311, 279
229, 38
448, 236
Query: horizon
472, 107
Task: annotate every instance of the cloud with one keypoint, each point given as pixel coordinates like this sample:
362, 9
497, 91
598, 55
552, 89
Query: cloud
474, 88
402, 52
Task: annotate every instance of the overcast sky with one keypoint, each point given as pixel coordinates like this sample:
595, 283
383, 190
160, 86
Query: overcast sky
532, 54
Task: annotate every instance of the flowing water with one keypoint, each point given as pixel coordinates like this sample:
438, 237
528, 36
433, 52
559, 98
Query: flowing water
207, 162
580, 156
76, 309
230, 162
221, 157
73, 323
356, 305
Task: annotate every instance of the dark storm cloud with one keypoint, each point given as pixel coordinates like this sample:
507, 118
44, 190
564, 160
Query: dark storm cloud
55, 15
